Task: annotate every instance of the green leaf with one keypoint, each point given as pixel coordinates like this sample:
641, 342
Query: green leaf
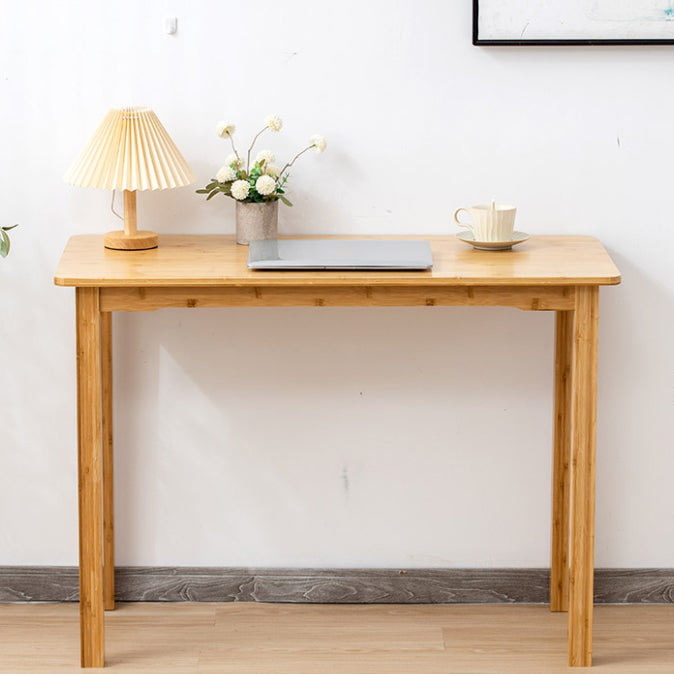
4, 243
204, 191
6, 229
211, 195
285, 200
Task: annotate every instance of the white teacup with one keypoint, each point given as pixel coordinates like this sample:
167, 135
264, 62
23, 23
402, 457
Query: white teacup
490, 222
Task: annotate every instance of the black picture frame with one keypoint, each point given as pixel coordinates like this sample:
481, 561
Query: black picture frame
479, 42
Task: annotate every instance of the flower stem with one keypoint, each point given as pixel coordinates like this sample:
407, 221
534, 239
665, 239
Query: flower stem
251, 147
297, 156
233, 148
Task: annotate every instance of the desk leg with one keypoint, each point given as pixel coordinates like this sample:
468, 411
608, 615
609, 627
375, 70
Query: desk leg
559, 567
584, 403
108, 497
89, 475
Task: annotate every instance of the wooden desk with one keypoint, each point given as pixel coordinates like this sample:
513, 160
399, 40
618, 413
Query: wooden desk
547, 273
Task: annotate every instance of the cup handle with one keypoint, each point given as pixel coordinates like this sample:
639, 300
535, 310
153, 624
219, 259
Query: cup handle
458, 222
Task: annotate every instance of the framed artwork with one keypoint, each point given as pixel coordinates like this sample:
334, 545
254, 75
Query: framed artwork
594, 22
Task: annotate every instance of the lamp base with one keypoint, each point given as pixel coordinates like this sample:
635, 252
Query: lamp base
140, 240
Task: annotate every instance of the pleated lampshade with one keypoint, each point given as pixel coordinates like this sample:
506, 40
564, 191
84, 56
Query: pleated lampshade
130, 151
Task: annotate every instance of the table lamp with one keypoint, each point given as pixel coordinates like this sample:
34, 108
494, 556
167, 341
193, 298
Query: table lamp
130, 151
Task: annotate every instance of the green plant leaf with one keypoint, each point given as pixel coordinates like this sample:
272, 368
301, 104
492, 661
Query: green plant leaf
211, 195
6, 229
4, 243
285, 200
203, 191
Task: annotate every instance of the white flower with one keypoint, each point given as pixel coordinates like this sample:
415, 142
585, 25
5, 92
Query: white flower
319, 143
273, 122
272, 170
226, 174
233, 159
265, 155
224, 129
265, 185
240, 189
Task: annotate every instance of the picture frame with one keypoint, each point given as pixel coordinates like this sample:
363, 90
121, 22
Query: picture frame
573, 22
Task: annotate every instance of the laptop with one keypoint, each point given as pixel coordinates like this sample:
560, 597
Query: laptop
340, 254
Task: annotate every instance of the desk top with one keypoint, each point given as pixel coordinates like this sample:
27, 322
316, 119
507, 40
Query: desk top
212, 260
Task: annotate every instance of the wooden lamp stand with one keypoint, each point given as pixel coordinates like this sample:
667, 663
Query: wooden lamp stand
130, 238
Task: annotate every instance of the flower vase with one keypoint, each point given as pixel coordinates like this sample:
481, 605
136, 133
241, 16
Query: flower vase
256, 221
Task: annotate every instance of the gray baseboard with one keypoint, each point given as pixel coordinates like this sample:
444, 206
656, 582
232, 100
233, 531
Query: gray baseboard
334, 586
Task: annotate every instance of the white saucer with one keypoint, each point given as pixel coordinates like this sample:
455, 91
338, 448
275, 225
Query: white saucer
467, 237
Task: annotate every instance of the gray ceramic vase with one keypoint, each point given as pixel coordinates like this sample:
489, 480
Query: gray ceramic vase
256, 221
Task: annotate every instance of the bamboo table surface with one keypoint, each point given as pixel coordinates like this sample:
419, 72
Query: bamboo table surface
211, 260
545, 273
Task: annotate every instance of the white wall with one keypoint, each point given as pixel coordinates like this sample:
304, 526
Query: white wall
336, 437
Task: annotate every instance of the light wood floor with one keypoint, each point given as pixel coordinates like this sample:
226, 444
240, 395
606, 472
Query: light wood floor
251, 638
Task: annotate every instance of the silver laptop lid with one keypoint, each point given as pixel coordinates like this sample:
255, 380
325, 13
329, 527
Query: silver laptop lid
340, 254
